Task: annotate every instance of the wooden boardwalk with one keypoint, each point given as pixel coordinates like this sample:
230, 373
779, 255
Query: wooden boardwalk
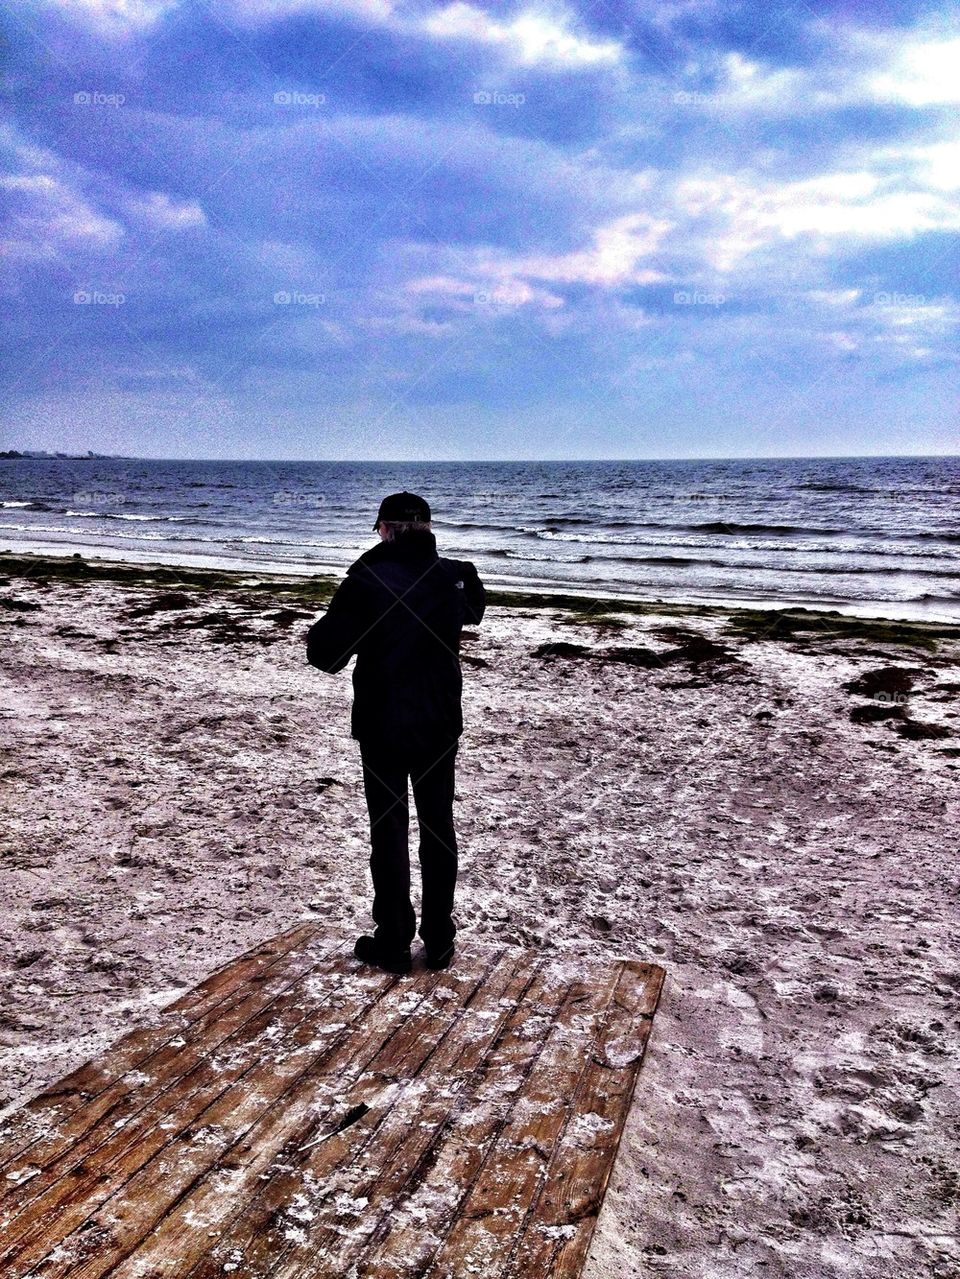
300, 1117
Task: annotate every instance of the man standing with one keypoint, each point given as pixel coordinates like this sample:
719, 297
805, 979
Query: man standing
401, 608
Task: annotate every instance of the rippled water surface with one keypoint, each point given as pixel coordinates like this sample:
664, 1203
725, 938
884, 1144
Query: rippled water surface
878, 534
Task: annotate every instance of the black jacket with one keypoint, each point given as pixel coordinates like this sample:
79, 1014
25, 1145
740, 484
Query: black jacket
401, 608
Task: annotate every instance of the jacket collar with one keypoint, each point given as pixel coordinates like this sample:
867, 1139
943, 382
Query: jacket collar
418, 544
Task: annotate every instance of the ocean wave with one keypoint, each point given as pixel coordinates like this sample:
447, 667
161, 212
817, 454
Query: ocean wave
779, 530
35, 504
118, 515
525, 557
824, 487
469, 524
672, 561
127, 537
952, 538
281, 541
739, 566
856, 539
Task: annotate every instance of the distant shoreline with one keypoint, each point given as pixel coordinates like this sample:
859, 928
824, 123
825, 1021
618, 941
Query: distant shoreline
41, 456
14, 455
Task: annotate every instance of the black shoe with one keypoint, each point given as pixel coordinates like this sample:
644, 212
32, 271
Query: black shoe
437, 959
368, 952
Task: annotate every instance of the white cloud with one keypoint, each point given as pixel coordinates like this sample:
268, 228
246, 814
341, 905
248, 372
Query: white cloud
920, 73
866, 66
612, 259
842, 342
115, 17
936, 164
532, 38
750, 84
853, 205
166, 214
28, 155
615, 257
52, 214
834, 297
490, 287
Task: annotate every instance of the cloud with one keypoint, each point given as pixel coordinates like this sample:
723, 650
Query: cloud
920, 73
859, 67
747, 215
937, 165
163, 213
502, 291
613, 259
538, 251
47, 213
531, 38
115, 18
527, 38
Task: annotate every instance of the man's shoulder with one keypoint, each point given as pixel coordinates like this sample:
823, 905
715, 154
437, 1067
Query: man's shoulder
368, 560
372, 564
461, 566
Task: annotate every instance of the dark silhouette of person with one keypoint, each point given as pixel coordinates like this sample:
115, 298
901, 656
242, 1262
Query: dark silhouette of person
401, 609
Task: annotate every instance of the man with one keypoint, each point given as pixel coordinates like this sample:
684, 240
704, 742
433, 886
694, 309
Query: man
401, 609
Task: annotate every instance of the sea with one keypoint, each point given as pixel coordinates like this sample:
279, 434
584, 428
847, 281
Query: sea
870, 536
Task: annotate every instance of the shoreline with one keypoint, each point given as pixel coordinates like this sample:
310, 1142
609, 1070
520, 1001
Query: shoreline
514, 593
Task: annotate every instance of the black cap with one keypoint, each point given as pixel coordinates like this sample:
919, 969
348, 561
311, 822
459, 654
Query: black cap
403, 508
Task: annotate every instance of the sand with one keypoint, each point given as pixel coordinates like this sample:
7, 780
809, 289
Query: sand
178, 785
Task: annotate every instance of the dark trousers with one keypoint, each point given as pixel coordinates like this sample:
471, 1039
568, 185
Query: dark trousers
387, 767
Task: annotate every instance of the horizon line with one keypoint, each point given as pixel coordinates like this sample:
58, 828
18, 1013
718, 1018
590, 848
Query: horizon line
60, 456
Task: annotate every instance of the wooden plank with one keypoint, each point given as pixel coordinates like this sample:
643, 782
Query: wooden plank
41, 1117
427, 1206
493, 1210
80, 1133
190, 1079
265, 1217
560, 1219
324, 1119
290, 1040
240, 1132
363, 1163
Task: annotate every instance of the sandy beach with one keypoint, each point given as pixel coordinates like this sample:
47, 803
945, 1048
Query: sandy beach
766, 807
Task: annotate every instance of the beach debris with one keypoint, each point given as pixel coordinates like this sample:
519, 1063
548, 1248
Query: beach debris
560, 648
694, 649
874, 711
13, 605
889, 687
916, 730
163, 603
887, 683
285, 617
471, 660
353, 1115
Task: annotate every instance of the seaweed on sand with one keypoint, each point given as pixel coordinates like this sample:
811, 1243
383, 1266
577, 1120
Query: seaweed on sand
806, 626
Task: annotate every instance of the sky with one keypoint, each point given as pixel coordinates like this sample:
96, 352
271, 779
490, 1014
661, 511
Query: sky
370, 229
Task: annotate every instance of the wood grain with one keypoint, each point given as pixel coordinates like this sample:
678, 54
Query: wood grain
299, 1116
